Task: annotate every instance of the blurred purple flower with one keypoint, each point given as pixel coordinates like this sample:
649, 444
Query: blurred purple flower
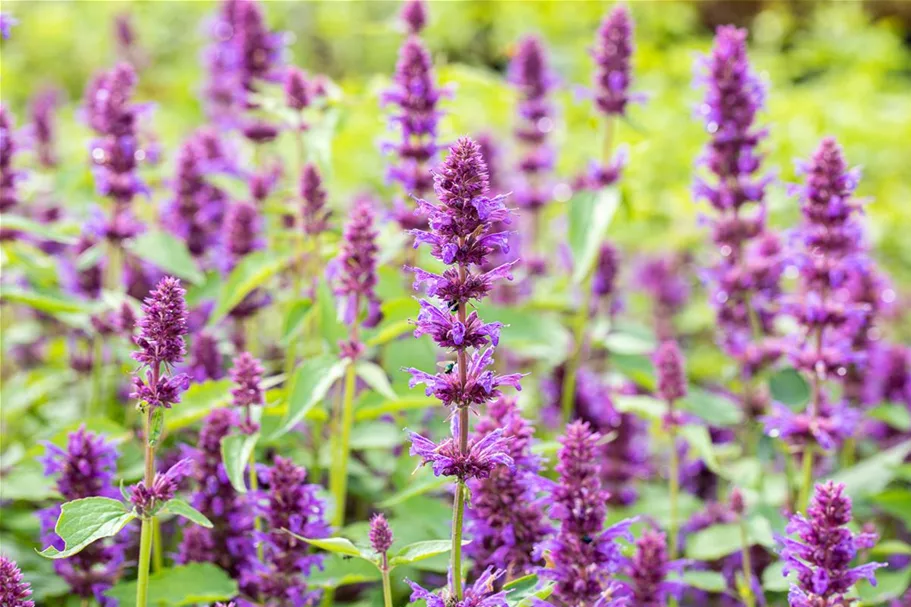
668, 361
414, 15
313, 194
246, 374
7, 22
353, 272
8, 175
43, 108
648, 570
612, 53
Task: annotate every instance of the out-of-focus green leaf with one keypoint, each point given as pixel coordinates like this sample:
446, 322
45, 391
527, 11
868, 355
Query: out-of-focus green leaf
628, 343
890, 586
374, 376
235, 453
897, 416
294, 320
789, 387
873, 474
252, 272
896, 502
310, 385
645, 407
168, 253
715, 409
85, 521
197, 402
395, 406
590, 215
43, 231
709, 581
700, 441
890, 547
53, 304
339, 570
773, 578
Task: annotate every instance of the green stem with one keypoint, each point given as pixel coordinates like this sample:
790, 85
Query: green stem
567, 398
157, 552
257, 520
458, 514
806, 479
145, 552
674, 487
387, 584
340, 465
92, 407
747, 593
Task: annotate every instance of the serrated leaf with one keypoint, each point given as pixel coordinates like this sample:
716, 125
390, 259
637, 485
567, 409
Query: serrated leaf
190, 584
419, 551
168, 253
374, 376
252, 272
788, 386
85, 521
590, 214
181, 508
311, 383
235, 454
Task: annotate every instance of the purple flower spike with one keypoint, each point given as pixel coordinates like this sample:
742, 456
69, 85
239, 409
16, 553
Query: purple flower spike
482, 457
14, 591
8, 176
612, 53
313, 194
297, 89
43, 108
668, 362
414, 15
648, 570
354, 270
823, 552
480, 594
247, 391
380, 534
605, 274
583, 554
147, 500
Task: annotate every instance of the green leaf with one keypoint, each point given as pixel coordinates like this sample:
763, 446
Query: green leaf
646, 407
49, 304
189, 584
788, 386
896, 502
235, 453
337, 545
890, 547
18, 223
419, 551
524, 590
294, 320
340, 571
85, 521
628, 343
252, 272
700, 441
415, 488
709, 581
374, 376
890, 585
897, 416
197, 402
390, 332
168, 253
714, 542
590, 214
180, 507
872, 475
717, 409
536, 334
310, 384
157, 425
395, 406
773, 578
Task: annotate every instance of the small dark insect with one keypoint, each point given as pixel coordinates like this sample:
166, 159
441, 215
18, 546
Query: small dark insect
453, 306
586, 539
448, 368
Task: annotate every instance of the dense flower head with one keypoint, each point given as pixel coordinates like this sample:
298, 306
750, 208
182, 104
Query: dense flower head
241, 231
828, 425
14, 591
297, 88
663, 279
8, 176
582, 555
85, 468
229, 543
206, 359
380, 534
147, 500
506, 519
246, 374
290, 504
822, 553
222, 89
108, 106
612, 53
482, 593
354, 270
889, 375
414, 15
648, 570
44, 129
605, 273
313, 194
259, 48
480, 384
668, 360
484, 454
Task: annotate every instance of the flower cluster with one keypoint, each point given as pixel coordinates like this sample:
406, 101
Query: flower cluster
415, 95
480, 594
8, 176
85, 468
247, 391
380, 534
506, 519
648, 570
530, 74
823, 553
746, 278
583, 555
161, 346
354, 270
290, 504
147, 500
662, 279
206, 360
14, 592
42, 108
229, 543
612, 54
313, 195
669, 367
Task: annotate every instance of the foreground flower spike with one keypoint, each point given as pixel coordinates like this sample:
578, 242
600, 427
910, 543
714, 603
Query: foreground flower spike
415, 96
612, 53
823, 552
14, 591
746, 277
480, 594
293, 505
506, 519
229, 543
85, 468
461, 236
354, 270
582, 556
648, 570
247, 392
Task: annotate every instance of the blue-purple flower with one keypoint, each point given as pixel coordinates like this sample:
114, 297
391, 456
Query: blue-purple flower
246, 374
482, 593
354, 270
648, 571
14, 591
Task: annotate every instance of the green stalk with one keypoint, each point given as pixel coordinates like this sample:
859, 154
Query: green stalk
458, 514
387, 584
339, 471
146, 533
92, 407
674, 487
257, 520
157, 556
747, 593
806, 479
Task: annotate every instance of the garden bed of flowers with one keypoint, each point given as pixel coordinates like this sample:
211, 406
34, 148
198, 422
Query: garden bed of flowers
581, 310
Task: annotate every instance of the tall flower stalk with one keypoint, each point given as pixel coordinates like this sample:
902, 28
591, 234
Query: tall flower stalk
460, 235
354, 277
381, 542
612, 55
671, 387
161, 346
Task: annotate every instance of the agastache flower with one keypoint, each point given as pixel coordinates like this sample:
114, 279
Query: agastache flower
612, 54
480, 594
823, 552
206, 359
506, 519
313, 194
293, 505
354, 270
668, 362
247, 391
148, 500
648, 570
43, 107
14, 591
664, 280
8, 175
85, 468
7, 22
414, 15
380, 534
582, 556
297, 89
161, 345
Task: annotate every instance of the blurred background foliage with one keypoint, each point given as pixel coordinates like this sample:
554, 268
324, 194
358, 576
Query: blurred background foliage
841, 68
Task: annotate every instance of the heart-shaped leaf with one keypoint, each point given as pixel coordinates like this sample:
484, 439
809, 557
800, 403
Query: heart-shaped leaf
85, 521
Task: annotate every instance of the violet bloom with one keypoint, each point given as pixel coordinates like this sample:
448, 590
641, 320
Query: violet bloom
313, 194
147, 500
85, 468
161, 346
663, 279
480, 457
648, 570
530, 73
354, 270
247, 391
668, 360
612, 54
297, 89
583, 556
889, 375
745, 279
42, 108
414, 15
604, 276
260, 48
480, 594
242, 231
223, 91
823, 552
8, 175
868, 290
380, 534
506, 518
290, 504
206, 360
14, 591
229, 543
415, 95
